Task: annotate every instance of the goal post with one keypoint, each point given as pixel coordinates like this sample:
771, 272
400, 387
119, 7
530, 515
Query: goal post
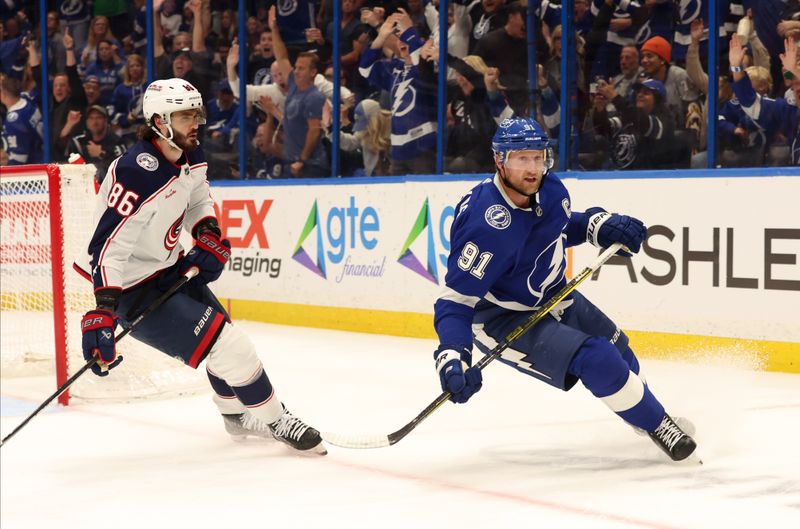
46, 220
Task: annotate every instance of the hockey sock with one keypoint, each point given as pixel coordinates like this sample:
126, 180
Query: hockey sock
258, 396
605, 373
233, 361
224, 397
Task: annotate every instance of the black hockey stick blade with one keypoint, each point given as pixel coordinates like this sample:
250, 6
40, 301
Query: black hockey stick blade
380, 441
71, 380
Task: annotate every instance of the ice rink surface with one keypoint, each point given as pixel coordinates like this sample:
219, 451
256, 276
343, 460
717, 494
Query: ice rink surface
519, 454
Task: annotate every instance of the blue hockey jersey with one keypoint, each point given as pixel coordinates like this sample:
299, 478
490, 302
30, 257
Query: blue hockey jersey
505, 255
23, 133
413, 103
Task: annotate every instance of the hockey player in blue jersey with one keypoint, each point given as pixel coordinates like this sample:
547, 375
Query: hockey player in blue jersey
507, 259
149, 196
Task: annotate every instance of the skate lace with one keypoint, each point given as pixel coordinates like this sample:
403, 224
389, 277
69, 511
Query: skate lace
668, 432
289, 427
253, 424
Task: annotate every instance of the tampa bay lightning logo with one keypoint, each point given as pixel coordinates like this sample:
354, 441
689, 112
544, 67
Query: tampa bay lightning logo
548, 269
12, 117
147, 161
405, 98
498, 216
287, 7
174, 233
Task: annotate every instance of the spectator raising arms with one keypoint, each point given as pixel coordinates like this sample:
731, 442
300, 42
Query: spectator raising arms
302, 119
410, 84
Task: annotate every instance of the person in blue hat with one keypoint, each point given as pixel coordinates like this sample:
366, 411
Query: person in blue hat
641, 133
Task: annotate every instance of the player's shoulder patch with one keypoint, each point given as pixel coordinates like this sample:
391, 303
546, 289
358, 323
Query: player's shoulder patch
147, 161
497, 216
12, 117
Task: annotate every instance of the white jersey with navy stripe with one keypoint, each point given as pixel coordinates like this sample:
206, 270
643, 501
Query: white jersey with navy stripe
142, 207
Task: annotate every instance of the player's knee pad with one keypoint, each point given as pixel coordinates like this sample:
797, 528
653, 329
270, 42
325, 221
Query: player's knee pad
233, 358
600, 367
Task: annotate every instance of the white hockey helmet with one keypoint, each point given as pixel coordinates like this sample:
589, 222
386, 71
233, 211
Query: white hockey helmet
166, 96
163, 97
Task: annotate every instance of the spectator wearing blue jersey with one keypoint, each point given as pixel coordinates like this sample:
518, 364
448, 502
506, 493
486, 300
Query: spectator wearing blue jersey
127, 99
107, 68
98, 31
12, 53
22, 131
410, 83
773, 115
75, 14
304, 153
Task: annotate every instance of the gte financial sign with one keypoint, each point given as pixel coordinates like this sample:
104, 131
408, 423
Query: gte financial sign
776, 255
244, 224
329, 237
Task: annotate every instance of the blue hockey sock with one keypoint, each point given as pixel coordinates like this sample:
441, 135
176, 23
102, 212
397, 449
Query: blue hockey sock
604, 372
256, 392
220, 387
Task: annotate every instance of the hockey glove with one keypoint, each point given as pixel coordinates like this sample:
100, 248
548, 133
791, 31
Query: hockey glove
209, 254
455, 375
97, 327
606, 228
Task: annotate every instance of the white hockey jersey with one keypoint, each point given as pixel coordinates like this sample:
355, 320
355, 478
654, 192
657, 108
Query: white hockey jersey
143, 205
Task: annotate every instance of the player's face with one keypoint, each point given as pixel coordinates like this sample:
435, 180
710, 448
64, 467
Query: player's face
523, 171
185, 128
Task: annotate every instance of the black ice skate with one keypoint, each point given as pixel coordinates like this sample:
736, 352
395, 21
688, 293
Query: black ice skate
240, 426
297, 434
672, 440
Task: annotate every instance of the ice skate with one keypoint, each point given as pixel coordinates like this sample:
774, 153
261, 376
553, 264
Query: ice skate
297, 434
240, 426
677, 444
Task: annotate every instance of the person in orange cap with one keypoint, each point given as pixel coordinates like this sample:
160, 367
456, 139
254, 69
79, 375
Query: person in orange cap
656, 54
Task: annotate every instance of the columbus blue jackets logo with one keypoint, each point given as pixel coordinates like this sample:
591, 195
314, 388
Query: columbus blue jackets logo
174, 233
498, 216
147, 161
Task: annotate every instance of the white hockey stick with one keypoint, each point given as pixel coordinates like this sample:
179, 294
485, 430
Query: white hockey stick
380, 441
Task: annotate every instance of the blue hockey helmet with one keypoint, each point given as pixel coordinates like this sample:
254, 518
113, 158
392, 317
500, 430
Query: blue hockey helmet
520, 134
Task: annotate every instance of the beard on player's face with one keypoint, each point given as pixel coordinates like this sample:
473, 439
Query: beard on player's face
184, 142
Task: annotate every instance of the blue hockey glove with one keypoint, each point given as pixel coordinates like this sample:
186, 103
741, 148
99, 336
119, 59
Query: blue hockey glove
97, 327
604, 229
209, 254
455, 375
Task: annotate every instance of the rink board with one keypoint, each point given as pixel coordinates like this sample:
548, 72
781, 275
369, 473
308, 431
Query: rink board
720, 270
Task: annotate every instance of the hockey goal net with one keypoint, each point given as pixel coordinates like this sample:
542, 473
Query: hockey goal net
46, 216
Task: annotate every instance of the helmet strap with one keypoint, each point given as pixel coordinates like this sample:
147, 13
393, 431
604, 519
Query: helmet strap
171, 134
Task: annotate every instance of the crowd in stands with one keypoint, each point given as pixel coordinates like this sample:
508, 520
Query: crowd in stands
640, 81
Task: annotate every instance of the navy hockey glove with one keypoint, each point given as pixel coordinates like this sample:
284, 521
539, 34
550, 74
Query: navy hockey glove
209, 254
97, 327
455, 375
604, 229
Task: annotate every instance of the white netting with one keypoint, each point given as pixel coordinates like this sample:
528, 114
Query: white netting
27, 326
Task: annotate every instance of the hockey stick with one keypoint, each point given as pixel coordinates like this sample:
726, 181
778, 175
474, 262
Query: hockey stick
380, 441
193, 271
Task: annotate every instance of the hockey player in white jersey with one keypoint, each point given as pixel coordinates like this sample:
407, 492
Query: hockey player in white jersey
149, 196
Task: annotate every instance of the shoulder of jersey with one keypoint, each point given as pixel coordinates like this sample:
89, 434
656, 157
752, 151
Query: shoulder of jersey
487, 210
141, 169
